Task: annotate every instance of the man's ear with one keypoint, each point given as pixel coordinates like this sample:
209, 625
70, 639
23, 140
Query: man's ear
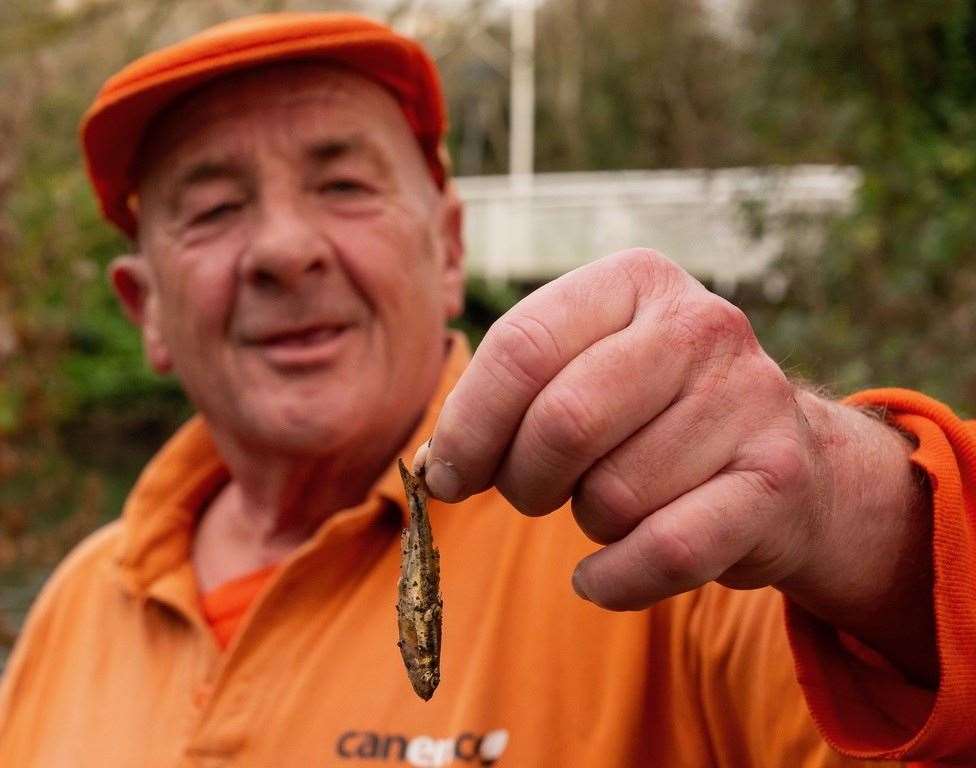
452, 241
132, 281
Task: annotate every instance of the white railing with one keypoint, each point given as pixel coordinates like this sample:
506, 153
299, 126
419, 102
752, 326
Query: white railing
723, 225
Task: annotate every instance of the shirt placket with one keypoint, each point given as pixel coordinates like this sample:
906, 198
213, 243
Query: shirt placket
225, 700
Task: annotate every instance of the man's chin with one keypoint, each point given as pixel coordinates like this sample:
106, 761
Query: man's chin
305, 429
297, 443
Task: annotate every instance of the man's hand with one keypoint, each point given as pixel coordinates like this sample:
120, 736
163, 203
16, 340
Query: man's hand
629, 388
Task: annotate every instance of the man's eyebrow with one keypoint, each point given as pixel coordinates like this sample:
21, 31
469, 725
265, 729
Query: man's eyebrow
206, 170
330, 150
199, 173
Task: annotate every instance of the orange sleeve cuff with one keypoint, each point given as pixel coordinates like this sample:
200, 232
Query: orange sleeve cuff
864, 707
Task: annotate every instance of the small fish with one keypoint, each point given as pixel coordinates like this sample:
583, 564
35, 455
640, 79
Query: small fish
419, 605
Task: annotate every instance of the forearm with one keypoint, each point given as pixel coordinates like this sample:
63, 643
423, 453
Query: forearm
870, 571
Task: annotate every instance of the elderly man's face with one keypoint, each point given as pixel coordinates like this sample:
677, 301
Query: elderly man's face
298, 263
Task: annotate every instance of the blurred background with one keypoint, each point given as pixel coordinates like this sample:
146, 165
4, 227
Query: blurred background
815, 163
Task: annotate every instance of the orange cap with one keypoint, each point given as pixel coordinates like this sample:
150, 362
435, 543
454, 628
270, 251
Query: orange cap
113, 127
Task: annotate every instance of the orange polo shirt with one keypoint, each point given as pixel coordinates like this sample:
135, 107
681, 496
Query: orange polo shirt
118, 666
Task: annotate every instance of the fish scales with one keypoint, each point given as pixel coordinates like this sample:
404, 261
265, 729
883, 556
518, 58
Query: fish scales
419, 605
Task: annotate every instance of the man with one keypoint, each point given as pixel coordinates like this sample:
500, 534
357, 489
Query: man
298, 252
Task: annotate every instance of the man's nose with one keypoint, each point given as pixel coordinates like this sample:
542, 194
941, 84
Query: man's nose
286, 251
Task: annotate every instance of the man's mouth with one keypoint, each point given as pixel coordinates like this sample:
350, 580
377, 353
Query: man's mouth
301, 347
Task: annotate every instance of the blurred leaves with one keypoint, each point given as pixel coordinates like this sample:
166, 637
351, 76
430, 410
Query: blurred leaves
67, 357
890, 87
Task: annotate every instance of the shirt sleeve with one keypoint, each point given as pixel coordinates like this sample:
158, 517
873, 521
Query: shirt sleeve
862, 705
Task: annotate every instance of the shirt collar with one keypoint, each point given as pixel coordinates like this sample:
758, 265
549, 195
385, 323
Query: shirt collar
159, 514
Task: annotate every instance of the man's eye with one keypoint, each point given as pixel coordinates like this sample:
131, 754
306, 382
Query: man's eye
215, 213
343, 187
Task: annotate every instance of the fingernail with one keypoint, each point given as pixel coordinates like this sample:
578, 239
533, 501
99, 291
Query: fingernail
420, 457
443, 481
578, 585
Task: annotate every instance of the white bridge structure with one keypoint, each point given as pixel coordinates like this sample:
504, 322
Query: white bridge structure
724, 226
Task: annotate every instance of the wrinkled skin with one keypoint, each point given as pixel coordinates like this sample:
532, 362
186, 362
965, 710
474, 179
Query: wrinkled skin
295, 260
630, 390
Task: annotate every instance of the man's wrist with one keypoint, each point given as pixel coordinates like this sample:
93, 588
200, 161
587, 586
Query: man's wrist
869, 564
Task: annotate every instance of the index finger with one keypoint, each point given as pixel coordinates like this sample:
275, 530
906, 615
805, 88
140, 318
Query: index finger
519, 355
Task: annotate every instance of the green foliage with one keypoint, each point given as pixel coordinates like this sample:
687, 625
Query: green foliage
625, 84
74, 357
890, 87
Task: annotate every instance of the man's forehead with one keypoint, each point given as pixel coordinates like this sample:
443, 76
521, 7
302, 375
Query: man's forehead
253, 93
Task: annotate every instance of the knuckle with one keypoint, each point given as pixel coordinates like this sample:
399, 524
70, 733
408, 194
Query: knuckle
643, 263
725, 355
521, 346
650, 272
733, 320
710, 323
568, 422
607, 506
670, 554
785, 468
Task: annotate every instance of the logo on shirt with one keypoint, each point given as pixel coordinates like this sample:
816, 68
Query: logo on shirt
424, 751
